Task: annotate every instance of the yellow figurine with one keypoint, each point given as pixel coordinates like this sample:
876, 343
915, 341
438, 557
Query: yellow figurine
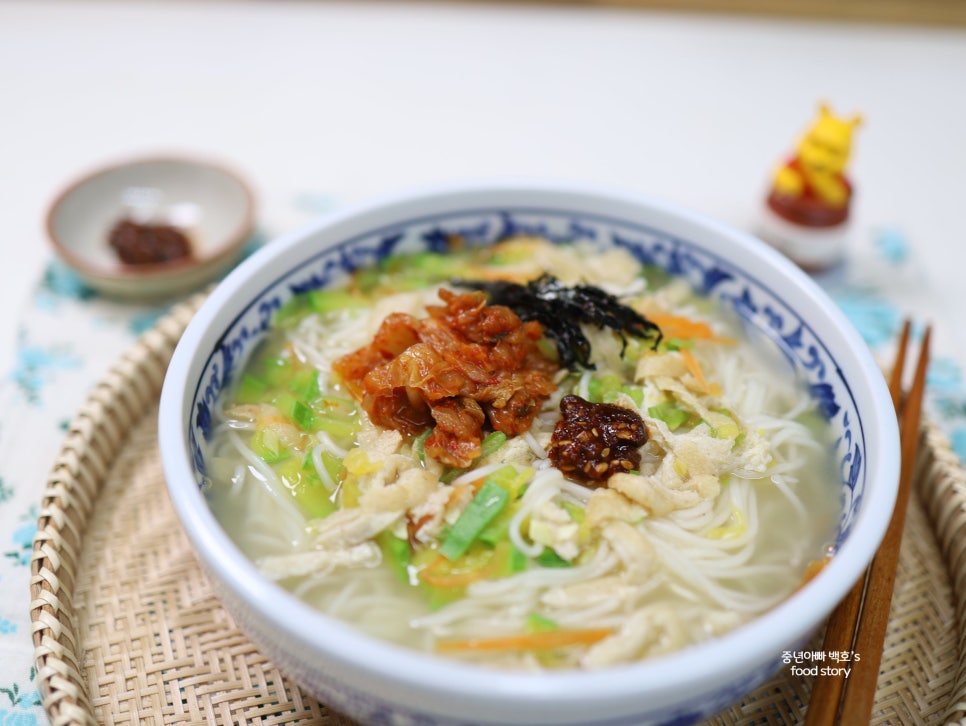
808, 202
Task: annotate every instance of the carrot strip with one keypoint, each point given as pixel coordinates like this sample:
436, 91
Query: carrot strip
431, 574
694, 367
543, 640
813, 568
452, 579
677, 326
455, 493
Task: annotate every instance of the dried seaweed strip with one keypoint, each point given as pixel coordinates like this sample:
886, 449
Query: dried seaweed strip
562, 309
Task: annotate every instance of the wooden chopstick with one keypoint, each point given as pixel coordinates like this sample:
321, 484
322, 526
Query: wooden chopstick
870, 636
858, 624
898, 368
840, 631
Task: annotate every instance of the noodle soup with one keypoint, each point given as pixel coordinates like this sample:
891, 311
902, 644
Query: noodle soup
524, 456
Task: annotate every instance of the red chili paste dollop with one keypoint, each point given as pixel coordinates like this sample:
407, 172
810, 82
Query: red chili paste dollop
465, 367
593, 441
146, 244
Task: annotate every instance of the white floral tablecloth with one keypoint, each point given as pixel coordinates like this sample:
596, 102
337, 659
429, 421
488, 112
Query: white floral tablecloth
69, 337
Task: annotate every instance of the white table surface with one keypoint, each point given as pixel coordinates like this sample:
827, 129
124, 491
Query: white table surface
324, 103
353, 99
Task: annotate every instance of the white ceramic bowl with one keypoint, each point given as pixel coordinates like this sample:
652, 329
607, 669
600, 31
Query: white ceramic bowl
378, 683
211, 204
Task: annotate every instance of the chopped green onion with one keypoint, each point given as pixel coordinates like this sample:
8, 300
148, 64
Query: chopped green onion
332, 463
509, 255
278, 371
537, 623
339, 429
518, 561
670, 413
515, 483
576, 512
337, 417
548, 349
290, 312
396, 553
312, 496
367, 279
251, 389
440, 597
635, 392
678, 343
305, 384
491, 443
655, 276
302, 415
451, 474
512, 480
488, 502
266, 443
605, 389
327, 301
549, 558
437, 267
722, 425
608, 389
419, 444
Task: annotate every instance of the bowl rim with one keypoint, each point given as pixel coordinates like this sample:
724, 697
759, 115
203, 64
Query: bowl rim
740, 648
219, 253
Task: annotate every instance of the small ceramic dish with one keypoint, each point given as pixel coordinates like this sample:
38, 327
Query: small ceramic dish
209, 208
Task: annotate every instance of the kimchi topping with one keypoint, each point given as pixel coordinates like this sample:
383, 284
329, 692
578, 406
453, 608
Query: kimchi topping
465, 368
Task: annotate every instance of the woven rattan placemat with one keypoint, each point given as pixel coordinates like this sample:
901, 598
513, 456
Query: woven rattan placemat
128, 631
